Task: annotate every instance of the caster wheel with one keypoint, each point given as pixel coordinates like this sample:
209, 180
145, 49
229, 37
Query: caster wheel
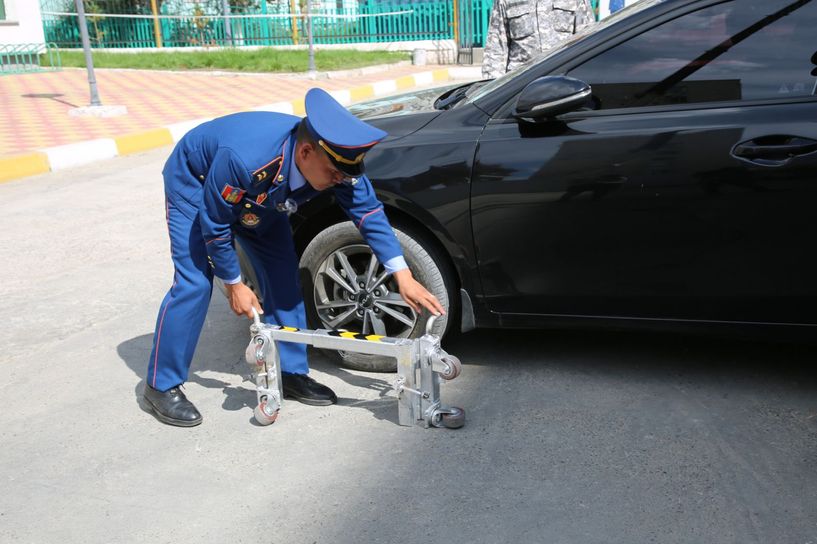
454, 420
261, 415
454, 367
254, 354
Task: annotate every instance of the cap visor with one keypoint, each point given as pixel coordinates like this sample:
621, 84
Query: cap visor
352, 170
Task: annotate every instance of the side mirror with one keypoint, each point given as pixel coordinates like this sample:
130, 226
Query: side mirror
549, 96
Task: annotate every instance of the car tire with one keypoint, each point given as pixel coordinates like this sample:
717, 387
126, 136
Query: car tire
321, 261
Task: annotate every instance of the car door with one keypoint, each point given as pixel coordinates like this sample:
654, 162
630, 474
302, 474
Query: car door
686, 192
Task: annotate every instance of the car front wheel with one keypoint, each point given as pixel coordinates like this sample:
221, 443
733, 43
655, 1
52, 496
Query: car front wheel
345, 287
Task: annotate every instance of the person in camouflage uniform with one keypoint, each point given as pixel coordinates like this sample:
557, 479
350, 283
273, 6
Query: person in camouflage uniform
519, 29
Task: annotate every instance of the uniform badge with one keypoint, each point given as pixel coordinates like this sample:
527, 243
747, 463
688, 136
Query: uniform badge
288, 206
232, 194
261, 198
250, 220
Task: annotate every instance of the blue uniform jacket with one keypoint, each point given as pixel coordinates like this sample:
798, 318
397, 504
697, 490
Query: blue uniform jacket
230, 173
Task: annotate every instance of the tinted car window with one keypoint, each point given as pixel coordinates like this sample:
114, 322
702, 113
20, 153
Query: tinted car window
730, 51
533, 64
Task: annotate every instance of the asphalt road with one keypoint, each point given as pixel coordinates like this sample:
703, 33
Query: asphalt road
570, 438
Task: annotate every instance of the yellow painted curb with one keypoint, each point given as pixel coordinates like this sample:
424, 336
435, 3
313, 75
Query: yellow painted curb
20, 166
440, 75
361, 93
298, 107
405, 82
141, 141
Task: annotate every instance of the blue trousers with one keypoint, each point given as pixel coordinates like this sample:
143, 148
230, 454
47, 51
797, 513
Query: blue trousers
184, 308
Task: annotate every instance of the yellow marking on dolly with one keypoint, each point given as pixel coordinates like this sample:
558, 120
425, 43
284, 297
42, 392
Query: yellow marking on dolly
356, 335
290, 329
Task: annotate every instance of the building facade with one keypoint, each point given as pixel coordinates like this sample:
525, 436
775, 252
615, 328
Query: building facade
20, 22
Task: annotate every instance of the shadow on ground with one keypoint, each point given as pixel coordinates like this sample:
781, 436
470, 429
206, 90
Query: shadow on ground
221, 349
646, 355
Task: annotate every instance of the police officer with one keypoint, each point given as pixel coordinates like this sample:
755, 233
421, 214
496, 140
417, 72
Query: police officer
235, 179
519, 29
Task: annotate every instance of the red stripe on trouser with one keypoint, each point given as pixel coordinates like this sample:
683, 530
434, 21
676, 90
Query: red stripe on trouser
159, 334
169, 297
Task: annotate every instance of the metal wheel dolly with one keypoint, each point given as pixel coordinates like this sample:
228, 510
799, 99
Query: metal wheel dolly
421, 364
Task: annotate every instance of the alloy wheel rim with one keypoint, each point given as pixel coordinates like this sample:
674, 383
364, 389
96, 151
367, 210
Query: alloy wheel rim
353, 291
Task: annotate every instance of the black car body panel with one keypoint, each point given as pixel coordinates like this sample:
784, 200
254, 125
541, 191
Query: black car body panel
666, 211
659, 222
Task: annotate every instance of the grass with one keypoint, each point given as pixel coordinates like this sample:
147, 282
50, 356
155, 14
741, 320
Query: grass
259, 60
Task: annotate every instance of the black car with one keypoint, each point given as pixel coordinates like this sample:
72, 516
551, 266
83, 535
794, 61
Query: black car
659, 170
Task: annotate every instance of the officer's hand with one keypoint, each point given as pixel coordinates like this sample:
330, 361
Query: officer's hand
242, 299
415, 294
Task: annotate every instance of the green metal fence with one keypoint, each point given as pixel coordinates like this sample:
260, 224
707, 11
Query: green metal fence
189, 23
369, 22
28, 57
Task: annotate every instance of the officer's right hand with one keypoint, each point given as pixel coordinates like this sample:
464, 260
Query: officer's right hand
242, 299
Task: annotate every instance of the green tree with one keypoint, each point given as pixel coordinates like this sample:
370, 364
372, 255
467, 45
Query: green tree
92, 11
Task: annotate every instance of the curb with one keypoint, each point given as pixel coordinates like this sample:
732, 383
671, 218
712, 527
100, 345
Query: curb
52, 159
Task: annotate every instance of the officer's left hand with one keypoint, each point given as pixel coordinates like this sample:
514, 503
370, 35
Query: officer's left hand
415, 294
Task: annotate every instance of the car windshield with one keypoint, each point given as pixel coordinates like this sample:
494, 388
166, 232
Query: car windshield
478, 91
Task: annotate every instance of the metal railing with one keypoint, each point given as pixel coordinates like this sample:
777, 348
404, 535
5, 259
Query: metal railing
279, 24
28, 57
197, 23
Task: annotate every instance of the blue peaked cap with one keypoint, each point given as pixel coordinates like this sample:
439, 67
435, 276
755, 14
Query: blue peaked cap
344, 137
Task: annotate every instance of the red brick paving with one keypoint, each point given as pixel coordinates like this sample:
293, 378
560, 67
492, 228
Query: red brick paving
34, 107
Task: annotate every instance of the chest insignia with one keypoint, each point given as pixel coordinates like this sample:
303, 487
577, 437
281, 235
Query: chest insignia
261, 198
250, 220
231, 194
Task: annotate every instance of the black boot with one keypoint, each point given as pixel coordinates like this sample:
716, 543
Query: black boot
304, 389
172, 407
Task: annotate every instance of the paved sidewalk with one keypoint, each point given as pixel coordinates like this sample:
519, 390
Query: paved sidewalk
38, 134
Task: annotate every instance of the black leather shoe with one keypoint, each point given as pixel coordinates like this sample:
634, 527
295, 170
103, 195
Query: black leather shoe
172, 407
304, 389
